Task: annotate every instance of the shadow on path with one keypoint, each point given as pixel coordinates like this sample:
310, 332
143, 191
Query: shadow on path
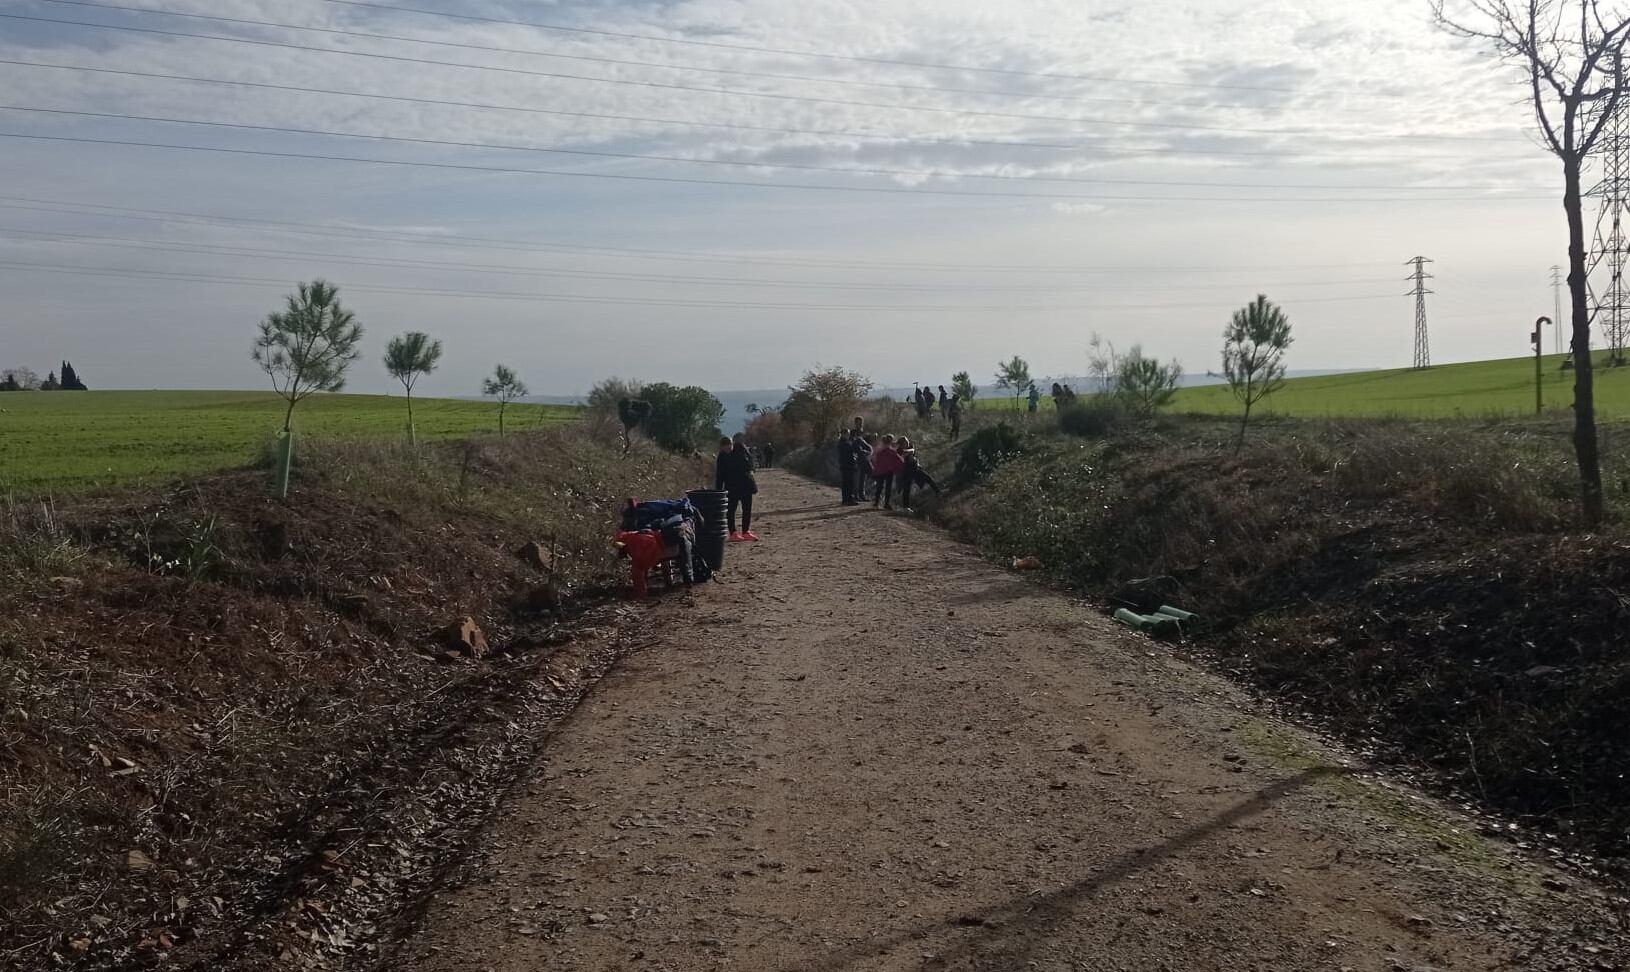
1023, 922
769, 513
832, 512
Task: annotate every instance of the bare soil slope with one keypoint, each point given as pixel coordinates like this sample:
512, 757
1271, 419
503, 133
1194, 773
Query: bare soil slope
868, 750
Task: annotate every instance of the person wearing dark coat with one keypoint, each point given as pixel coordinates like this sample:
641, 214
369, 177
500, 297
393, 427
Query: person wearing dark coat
733, 473
912, 474
846, 467
862, 452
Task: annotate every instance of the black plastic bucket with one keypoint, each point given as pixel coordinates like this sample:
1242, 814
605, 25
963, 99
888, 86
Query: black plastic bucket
714, 505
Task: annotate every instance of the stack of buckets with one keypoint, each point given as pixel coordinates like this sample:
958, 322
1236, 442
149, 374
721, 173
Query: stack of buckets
714, 505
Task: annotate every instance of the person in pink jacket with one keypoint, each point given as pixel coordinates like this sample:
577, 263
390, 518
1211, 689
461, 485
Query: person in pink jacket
886, 467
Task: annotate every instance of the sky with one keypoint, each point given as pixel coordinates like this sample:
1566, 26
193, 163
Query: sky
671, 190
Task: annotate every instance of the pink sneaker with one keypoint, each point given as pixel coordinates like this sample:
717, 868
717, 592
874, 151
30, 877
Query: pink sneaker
737, 537
749, 535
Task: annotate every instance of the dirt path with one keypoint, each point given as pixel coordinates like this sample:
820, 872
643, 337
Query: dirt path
868, 750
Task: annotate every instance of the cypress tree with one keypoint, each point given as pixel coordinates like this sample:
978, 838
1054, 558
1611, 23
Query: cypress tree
70, 378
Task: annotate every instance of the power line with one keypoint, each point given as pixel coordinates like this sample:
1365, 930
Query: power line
500, 270
838, 133
1098, 147
34, 203
1173, 126
797, 166
643, 301
857, 59
533, 52
796, 186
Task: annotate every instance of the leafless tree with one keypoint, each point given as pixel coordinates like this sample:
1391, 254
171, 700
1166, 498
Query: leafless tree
1573, 56
20, 379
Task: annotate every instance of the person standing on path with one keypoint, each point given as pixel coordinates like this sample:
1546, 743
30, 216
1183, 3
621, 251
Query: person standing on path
1035, 397
733, 473
912, 474
769, 455
885, 469
846, 466
862, 460
954, 413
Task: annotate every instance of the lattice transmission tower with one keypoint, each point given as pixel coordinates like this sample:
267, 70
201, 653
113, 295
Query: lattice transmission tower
1610, 251
1423, 348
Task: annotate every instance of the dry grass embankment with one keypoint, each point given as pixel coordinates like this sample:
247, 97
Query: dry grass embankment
213, 701
1418, 587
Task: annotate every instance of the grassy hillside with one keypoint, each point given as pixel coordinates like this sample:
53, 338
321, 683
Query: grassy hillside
81, 440
1474, 389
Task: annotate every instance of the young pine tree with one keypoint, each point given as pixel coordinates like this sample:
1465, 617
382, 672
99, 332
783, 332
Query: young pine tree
1254, 345
409, 357
504, 386
308, 346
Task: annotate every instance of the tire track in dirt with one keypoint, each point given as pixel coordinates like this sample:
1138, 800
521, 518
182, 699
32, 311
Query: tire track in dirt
868, 750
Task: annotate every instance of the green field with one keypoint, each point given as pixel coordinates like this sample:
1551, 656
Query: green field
73, 441
1476, 389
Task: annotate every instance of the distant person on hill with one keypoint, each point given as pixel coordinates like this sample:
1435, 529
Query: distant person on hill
1069, 395
954, 413
769, 455
846, 466
733, 473
945, 403
1035, 397
912, 474
1058, 396
886, 466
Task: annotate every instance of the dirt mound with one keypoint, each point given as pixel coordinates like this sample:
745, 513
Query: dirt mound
209, 691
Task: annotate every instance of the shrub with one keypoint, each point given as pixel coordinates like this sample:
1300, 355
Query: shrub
1472, 479
766, 427
1146, 385
33, 540
682, 419
1094, 417
823, 401
988, 449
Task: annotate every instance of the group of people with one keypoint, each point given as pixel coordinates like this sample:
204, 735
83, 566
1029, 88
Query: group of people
948, 405
871, 466
878, 463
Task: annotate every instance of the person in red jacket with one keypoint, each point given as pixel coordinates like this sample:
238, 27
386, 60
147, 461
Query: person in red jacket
644, 549
886, 467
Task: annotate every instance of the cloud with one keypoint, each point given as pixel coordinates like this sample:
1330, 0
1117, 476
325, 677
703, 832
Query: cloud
1168, 108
